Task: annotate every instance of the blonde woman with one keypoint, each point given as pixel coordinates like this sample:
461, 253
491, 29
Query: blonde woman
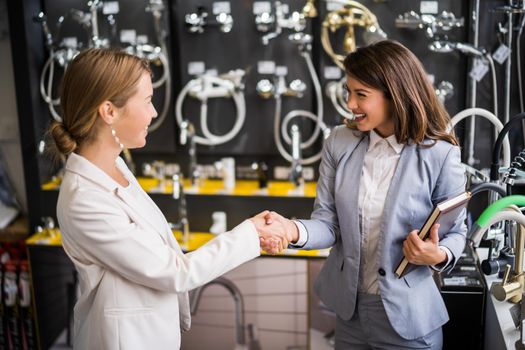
133, 276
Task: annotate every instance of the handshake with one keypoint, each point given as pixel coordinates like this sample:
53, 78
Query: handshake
275, 231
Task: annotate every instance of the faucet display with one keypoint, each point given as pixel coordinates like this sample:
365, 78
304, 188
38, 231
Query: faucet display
178, 194
61, 53
444, 46
196, 21
265, 20
206, 86
445, 21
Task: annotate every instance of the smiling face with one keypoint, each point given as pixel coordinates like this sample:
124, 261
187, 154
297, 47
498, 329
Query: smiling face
136, 115
370, 107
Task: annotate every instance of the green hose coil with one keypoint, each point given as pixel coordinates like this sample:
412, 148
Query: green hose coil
497, 206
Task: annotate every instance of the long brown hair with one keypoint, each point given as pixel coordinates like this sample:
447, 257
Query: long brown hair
94, 76
415, 109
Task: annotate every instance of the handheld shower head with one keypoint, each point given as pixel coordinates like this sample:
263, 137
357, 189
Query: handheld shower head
469, 49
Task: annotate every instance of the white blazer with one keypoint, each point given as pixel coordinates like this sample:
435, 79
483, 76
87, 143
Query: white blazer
134, 278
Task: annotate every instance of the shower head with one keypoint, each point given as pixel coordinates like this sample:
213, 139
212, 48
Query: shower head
444, 46
469, 49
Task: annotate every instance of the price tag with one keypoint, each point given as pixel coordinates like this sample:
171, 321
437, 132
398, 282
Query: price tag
430, 7
501, 54
261, 7
431, 78
128, 36
213, 72
70, 42
479, 70
332, 72
110, 8
196, 68
266, 67
221, 7
455, 281
281, 71
333, 6
142, 39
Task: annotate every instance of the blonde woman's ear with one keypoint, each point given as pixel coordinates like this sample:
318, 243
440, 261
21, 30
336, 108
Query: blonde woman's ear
107, 112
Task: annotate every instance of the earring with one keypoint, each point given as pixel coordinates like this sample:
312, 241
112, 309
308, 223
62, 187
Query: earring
117, 140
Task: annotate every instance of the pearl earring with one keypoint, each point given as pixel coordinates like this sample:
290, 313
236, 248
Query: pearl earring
117, 140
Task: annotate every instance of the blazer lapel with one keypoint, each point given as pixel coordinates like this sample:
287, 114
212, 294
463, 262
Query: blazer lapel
393, 194
347, 190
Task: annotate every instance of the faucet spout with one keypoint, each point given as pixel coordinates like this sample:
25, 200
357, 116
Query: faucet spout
195, 297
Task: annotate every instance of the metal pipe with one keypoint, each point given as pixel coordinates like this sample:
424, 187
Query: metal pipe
472, 86
508, 67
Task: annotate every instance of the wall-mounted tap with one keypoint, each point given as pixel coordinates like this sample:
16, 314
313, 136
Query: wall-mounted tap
266, 89
225, 22
445, 21
309, 9
444, 91
178, 194
296, 171
265, 21
196, 21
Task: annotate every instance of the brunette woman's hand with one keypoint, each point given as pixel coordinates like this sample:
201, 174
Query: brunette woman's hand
427, 252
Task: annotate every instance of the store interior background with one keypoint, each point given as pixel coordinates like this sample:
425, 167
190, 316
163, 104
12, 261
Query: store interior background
277, 291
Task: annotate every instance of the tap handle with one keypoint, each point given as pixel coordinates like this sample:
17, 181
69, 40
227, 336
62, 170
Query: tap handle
506, 275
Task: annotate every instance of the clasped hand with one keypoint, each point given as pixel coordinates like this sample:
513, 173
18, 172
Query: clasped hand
275, 231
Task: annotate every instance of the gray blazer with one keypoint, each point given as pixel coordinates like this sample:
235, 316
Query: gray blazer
423, 177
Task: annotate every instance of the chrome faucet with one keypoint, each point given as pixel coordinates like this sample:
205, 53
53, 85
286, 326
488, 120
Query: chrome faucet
296, 172
187, 137
195, 297
296, 21
178, 194
512, 285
